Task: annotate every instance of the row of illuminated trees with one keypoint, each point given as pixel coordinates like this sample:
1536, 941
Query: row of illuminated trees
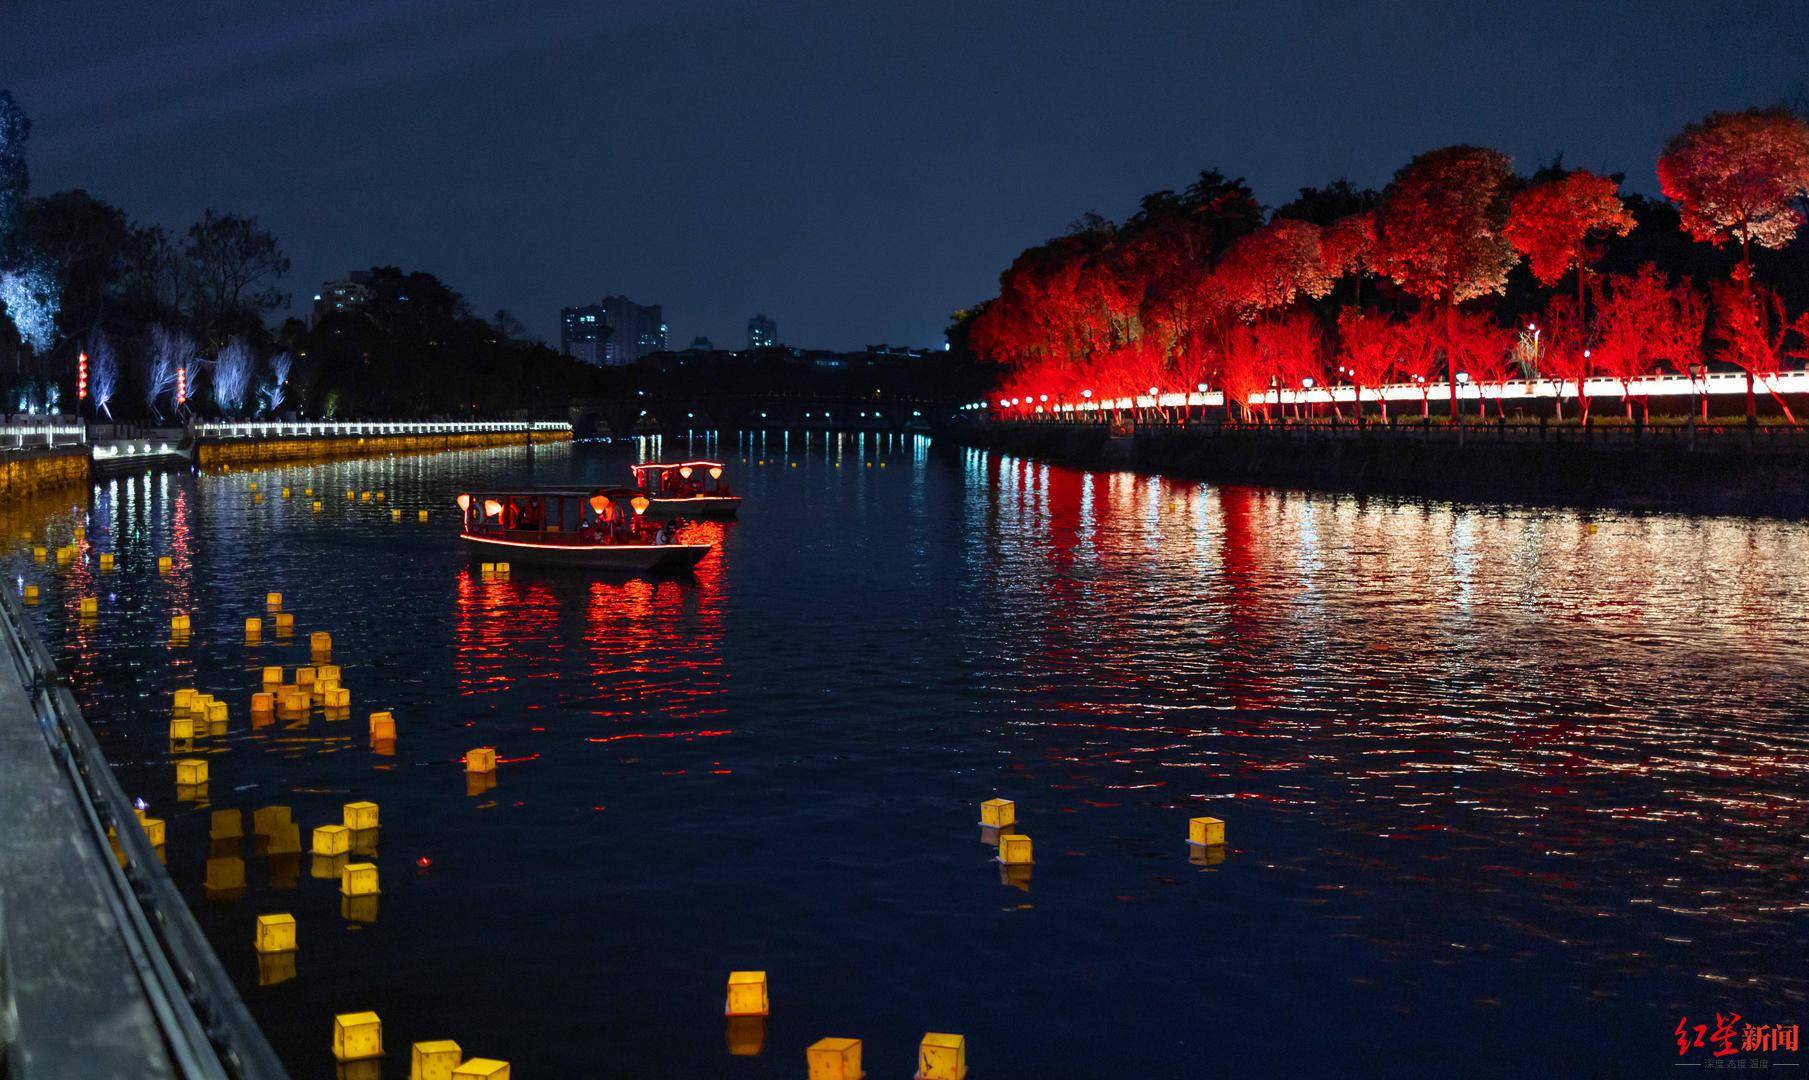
1201, 289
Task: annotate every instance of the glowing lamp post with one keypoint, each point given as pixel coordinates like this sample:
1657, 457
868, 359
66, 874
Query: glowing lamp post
181, 387
81, 376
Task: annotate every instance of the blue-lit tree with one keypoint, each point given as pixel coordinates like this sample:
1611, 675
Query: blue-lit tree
278, 387
232, 376
103, 373
170, 350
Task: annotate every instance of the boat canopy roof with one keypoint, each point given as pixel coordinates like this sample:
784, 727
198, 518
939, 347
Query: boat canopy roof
612, 490
648, 466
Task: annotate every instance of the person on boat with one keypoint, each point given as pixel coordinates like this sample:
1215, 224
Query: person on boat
664, 535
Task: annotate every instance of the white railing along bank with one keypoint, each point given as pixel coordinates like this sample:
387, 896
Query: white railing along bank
254, 429
19, 435
1715, 383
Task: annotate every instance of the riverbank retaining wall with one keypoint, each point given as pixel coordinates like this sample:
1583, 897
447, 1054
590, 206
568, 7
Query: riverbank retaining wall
210, 453
1729, 476
28, 472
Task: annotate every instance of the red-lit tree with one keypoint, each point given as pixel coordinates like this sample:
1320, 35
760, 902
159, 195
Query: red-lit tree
1558, 225
1369, 344
1647, 322
1481, 348
1271, 268
1569, 352
1739, 175
1752, 329
1347, 246
1421, 357
1439, 230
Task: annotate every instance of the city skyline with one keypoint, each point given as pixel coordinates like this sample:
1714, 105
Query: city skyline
958, 137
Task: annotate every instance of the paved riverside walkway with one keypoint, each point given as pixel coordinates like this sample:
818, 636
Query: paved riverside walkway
90, 985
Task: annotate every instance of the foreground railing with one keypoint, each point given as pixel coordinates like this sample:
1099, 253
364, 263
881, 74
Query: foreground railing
276, 429
205, 1028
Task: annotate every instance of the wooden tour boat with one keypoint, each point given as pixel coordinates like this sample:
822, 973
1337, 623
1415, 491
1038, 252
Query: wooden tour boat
590, 528
686, 489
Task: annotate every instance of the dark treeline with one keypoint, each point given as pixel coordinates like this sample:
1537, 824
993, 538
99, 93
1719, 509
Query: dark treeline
162, 315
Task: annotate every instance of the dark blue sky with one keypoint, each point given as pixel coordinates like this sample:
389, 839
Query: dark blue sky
856, 170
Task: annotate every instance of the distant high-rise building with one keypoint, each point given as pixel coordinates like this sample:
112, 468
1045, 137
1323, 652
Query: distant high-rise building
634, 330
350, 294
762, 332
584, 332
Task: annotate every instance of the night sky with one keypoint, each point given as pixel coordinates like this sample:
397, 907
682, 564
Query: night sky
857, 171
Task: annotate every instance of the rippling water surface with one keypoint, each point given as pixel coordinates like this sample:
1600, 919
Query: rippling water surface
1507, 791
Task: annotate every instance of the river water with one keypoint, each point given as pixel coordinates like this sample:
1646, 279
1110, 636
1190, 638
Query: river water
1506, 791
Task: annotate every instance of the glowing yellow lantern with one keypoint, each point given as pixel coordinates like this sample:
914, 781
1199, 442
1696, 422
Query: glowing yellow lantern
640, 504
263, 703
482, 1069
747, 994
320, 642
38, 554
331, 840
191, 771
716, 472
254, 485
464, 502
834, 1059
275, 933
273, 601
502, 569
383, 727
153, 831
216, 712
1205, 831
90, 605
165, 564
434, 1060
317, 506
481, 760
106, 560
273, 676
378, 496
360, 815
338, 697
31, 594
358, 879
1014, 849
182, 727
492, 508
395, 515
350, 494
600, 505
285, 622
421, 516
684, 472
267, 819
226, 825
179, 624
285, 493
254, 628
357, 1035
941, 1057
364, 496
328, 673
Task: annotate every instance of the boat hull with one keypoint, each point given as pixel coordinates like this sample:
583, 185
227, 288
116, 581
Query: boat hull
615, 558
700, 506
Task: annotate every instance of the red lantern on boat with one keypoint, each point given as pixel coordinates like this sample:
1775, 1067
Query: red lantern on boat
684, 472
464, 503
716, 472
640, 504
600, 504
492, 508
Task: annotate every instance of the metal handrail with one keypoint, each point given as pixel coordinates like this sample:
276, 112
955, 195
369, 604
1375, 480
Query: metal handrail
209, 1032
